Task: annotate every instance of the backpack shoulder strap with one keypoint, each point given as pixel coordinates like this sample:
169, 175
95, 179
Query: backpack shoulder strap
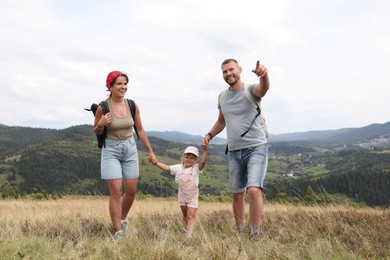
250, 97
102, 137
105, 107
221, 95
256, 105
132, 107
133, 110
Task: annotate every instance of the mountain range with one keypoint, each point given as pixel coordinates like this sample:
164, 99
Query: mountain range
344, 135
350, 161
347, 136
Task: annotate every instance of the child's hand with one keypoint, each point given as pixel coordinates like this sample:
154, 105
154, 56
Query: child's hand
153, 159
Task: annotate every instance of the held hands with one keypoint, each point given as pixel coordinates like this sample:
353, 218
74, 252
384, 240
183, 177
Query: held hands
205, 148
153, 159
260, 70
205, 142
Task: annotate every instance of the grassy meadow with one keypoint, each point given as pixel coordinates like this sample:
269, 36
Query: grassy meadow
80, 228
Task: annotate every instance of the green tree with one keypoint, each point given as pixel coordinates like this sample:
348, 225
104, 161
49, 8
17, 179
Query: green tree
310, 196
282, 197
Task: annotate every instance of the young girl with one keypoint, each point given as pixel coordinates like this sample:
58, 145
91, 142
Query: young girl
187, 176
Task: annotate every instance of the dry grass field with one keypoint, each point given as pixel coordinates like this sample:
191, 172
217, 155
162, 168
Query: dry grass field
80, 228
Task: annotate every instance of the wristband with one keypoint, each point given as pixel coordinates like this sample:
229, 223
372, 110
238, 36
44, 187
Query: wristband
210, 135
99, 127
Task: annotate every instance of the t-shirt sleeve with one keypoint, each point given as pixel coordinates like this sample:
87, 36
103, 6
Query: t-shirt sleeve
175, 169
251, 87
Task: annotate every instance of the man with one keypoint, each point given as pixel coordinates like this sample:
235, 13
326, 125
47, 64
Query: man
247, 143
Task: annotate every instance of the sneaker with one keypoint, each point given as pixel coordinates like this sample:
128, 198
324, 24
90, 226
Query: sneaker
125, 226
239, 229
255, 233
254, 237
118, 235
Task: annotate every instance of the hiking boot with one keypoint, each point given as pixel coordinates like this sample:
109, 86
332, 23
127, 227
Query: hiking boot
124, 226
118, 235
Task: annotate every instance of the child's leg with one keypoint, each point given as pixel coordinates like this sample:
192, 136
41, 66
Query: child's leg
191, 214
184, 211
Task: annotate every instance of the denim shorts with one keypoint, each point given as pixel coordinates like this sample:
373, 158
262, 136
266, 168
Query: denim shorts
247, 168
119, 159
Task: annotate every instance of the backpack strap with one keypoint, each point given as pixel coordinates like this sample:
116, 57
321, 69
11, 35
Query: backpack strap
105, 107
102, 137
221, 95
256, 105
250, 98
133, 110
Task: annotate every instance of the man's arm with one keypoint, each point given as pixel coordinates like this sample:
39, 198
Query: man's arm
262, 87
219, 125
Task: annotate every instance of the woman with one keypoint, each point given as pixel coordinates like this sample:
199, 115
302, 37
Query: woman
119, 156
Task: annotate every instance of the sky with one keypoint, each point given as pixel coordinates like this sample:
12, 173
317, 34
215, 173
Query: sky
326, 60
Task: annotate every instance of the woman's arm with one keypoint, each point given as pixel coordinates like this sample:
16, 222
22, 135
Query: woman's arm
99, 122
143, 137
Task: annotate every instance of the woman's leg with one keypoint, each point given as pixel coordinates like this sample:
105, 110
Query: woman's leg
115, 187
129, 196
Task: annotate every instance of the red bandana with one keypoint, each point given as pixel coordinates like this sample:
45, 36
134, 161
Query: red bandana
111, 77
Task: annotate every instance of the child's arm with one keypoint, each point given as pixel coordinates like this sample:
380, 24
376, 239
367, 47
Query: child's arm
202, 162
163, 166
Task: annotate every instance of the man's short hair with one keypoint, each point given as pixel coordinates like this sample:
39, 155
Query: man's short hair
228, 61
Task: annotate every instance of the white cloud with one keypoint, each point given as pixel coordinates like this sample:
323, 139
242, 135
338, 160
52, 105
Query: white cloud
326, 60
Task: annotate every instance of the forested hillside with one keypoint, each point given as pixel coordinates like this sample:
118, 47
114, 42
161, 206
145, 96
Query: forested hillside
344, 136
68, 162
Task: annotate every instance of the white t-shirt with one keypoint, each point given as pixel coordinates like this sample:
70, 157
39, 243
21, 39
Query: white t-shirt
179, 169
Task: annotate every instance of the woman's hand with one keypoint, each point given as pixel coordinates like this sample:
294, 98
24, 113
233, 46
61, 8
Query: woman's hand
106, 119
152, 158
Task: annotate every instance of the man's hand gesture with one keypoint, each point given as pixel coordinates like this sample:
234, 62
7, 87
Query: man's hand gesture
260, 70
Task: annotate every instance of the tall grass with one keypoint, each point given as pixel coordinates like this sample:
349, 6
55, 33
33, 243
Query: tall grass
80, 228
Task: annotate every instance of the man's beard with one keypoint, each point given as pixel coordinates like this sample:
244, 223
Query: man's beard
231, 83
